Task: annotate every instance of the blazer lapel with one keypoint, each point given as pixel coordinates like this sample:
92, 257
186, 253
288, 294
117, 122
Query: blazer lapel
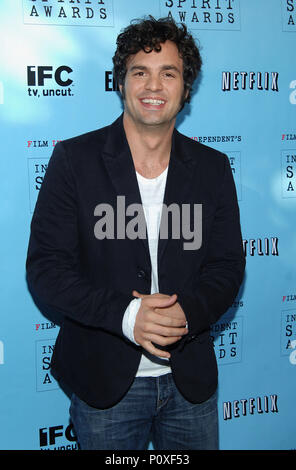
120, 166
179, 180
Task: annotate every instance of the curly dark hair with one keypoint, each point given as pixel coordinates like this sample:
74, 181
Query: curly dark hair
148, 35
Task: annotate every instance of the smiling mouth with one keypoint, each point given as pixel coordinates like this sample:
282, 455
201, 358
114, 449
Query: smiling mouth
152, 101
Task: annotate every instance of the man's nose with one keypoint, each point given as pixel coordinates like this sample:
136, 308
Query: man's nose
153, 83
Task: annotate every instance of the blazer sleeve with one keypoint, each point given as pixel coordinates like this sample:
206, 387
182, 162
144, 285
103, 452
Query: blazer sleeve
53, 273
223, 268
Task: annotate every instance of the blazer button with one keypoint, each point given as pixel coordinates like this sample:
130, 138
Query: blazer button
141, 274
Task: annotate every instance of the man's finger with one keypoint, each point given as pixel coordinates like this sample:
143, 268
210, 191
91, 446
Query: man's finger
166, 320
160, 302
162, 340
167, 331
173, 313
138, 295
157, 299
156, 352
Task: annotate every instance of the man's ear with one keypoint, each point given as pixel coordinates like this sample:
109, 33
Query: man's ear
121, 89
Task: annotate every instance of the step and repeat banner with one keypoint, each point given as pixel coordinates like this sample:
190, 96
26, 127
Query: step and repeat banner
56, 82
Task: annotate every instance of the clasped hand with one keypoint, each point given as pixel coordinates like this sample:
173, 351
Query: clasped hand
160, 320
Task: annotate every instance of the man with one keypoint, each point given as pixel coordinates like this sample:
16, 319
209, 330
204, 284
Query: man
134, 345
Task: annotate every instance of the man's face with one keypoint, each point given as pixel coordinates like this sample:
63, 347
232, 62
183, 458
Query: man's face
154, 88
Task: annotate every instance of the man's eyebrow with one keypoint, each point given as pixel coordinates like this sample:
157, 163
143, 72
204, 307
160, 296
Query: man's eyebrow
171, 67
163, 67
137, 67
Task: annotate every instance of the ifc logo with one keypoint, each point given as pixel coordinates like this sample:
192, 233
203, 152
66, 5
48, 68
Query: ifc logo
38, 76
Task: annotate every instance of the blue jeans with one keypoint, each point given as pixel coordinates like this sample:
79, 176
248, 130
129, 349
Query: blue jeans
153, 409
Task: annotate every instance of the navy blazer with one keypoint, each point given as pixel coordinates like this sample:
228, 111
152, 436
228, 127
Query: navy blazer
89, 282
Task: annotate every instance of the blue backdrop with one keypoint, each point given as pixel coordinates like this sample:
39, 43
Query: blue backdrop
56, 82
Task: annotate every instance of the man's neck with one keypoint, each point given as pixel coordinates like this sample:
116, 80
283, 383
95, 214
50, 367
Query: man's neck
150, 146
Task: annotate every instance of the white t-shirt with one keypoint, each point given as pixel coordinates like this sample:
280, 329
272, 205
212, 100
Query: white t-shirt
152, 193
